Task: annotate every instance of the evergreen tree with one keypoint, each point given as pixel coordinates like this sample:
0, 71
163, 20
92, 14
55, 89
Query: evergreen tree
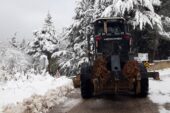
75, 36
164, 35
164, 11
140, 13
45, 42
13, 41
23, 45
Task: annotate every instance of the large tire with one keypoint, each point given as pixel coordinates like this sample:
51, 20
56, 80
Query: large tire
144, 87
86, 83
144, 82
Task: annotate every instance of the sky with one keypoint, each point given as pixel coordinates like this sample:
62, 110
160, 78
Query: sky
25, 16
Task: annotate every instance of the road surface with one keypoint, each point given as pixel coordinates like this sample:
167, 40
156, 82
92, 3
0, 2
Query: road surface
106, 104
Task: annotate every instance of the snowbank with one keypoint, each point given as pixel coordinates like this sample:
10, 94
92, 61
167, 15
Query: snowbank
36, 94
160, 91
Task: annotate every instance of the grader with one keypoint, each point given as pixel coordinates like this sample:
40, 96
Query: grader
111, 67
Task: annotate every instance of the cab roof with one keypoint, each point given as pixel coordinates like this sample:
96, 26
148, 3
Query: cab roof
113, 18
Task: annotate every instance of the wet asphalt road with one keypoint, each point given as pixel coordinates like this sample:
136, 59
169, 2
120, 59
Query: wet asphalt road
106, 104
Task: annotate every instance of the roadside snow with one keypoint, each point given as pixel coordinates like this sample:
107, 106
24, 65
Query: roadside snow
160, 91
36, 94
163, 110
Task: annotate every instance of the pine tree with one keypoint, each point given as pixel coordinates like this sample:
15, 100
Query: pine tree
45, 42
164, 35
13, 41
139, 12
23, 45
75, 35
164, 11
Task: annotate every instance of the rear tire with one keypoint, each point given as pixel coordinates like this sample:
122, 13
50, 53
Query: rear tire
144, 87
144, 82
86, 83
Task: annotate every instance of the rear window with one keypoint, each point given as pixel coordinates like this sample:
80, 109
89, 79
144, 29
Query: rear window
115, 28
99, 27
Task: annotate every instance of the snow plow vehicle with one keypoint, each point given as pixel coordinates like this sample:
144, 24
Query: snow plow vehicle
111, 67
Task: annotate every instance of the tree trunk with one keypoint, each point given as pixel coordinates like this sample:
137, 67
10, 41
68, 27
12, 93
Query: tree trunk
49, 63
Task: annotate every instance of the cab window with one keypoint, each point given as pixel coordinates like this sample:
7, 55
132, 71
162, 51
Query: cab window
99, 27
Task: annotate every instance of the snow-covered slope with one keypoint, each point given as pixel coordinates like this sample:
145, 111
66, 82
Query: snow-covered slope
38, 94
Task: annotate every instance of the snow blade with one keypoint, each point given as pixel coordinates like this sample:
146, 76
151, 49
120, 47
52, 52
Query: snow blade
154, 75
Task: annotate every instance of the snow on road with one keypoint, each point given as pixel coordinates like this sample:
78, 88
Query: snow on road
160, 90
37, 94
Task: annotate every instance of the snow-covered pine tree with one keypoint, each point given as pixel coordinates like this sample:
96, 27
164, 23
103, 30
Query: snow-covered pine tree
13, 41
164, 11
164, 36
23, 45
140, 13
45, 42
75, 36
